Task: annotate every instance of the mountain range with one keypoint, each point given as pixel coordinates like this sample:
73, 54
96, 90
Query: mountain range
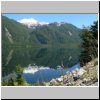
15, 33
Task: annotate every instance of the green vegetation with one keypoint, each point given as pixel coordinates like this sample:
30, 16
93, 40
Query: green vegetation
39, 44
20, 80
47, 56
16, 78
17, 35
54, 34
89, 77
18, 32
46, 45
89, 44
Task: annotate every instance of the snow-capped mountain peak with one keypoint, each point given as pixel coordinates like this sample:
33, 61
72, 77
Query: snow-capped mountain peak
31, 22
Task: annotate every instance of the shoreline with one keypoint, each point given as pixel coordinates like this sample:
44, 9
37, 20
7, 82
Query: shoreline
83, 76
79, 76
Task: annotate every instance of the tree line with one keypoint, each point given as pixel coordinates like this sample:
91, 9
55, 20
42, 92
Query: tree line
89, 43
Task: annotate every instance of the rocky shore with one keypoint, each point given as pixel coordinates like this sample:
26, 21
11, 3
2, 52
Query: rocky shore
84, 76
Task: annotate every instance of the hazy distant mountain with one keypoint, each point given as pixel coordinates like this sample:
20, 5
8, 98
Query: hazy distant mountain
15, 33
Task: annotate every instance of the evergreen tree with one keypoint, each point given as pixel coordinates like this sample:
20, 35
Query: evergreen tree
20, 79
94, 29
4, 82
89, 44
11, 82
19, 69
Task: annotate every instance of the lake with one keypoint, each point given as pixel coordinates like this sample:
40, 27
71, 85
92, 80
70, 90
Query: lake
40, 63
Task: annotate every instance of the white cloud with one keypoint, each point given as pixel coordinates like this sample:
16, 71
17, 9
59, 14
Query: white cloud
31, 22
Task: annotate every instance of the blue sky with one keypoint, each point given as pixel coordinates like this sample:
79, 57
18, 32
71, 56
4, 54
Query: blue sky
76, 19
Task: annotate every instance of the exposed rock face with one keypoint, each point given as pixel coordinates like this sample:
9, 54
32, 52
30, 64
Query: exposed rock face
9, 57
9, 36
85, 76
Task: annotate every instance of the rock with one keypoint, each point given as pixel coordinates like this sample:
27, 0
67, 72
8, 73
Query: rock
75, 78
73, 72
53, 82
85, 80
68, 79
62, 77
96, 63
71, 84
47, 84
69, 74
59, 79
79, 83
95, 84
84, 76
81, 72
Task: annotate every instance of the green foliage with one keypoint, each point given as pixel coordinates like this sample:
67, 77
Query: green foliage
19, 32
54, 34
15, 78
20, 80
94, 30
11, 82
42, 37
19, 69
4, 82
51, 34
89, 44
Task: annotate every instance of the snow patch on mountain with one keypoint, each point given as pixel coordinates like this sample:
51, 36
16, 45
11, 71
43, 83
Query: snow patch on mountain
31, 22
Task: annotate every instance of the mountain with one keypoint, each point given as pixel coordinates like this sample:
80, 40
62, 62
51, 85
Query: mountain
56, 33
14, 33
31, 23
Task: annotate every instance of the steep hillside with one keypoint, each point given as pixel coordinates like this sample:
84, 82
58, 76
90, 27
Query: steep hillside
56, 33
15, 33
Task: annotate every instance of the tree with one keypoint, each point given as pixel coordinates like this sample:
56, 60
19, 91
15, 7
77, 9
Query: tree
11, 82
89, 43
4, 82
20, 80
94, 29
19, 70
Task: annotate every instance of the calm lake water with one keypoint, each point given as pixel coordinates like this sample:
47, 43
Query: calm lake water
40, 64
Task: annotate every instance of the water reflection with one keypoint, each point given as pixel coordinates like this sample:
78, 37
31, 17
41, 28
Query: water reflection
9, 57
41, 74
49, 56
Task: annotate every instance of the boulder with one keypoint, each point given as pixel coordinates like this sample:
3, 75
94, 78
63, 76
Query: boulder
68, 79
53, 82
81, 72
79, 83
59, 79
